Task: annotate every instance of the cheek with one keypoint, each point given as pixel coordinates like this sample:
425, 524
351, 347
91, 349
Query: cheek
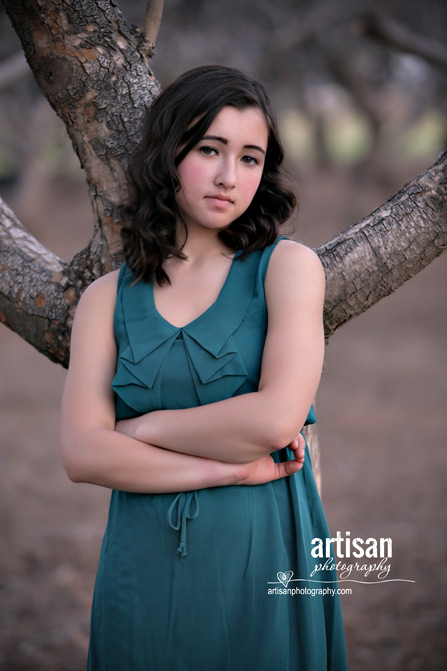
190, 174
251, 185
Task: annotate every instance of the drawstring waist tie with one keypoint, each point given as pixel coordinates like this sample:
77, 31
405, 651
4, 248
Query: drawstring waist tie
178, 514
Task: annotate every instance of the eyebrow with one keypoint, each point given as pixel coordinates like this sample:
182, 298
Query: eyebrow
224, 141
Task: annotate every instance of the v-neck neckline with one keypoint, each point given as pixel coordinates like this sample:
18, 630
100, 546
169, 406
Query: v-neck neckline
207, 310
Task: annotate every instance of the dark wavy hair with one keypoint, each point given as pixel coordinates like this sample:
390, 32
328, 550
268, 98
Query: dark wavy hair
179, 118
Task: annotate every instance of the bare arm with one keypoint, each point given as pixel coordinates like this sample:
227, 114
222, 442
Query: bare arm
92, 451
247, 427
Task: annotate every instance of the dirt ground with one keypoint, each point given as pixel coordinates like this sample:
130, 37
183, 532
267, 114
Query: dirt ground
381, 413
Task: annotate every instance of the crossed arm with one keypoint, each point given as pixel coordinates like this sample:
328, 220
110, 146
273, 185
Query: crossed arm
222, 443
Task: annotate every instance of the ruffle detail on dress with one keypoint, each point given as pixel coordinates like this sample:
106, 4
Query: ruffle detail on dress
208, 367
217, 367
137, 372
135, 375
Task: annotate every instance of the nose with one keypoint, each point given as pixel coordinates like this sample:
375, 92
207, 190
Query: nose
226, 174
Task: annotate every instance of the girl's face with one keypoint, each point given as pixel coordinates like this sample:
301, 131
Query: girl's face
220, 175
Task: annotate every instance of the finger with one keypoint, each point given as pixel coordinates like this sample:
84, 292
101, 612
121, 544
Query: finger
301, 446
298, 454
292, 467
300, 449
287, 468
298, 442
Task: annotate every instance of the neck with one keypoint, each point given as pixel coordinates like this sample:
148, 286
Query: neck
200, 244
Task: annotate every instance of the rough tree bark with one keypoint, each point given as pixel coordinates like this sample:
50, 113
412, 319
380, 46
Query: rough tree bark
374, 257
91, 66
94, 70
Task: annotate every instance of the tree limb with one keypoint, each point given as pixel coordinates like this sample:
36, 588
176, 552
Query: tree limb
152, 20
36, 299
371, 259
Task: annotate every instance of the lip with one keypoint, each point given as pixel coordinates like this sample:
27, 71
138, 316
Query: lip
222, 197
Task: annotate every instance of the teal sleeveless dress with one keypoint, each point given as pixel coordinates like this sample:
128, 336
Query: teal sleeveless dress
203, 580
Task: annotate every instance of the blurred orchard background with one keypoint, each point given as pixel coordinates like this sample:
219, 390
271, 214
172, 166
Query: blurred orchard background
361, 97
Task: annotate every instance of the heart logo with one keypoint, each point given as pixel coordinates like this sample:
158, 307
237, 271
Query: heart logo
284, 578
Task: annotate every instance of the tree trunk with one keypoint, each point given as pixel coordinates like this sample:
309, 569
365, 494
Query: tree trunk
89, 64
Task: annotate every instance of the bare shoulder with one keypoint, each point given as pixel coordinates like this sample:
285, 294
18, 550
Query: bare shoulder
296, 262
93, 352
100, 295
103, 287
95, 309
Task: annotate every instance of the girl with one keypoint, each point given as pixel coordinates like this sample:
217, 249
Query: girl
187, 402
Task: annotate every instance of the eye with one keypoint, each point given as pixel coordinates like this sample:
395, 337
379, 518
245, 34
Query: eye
250, 160
208, 151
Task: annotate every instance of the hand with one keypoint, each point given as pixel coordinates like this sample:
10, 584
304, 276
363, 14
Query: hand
265, 469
